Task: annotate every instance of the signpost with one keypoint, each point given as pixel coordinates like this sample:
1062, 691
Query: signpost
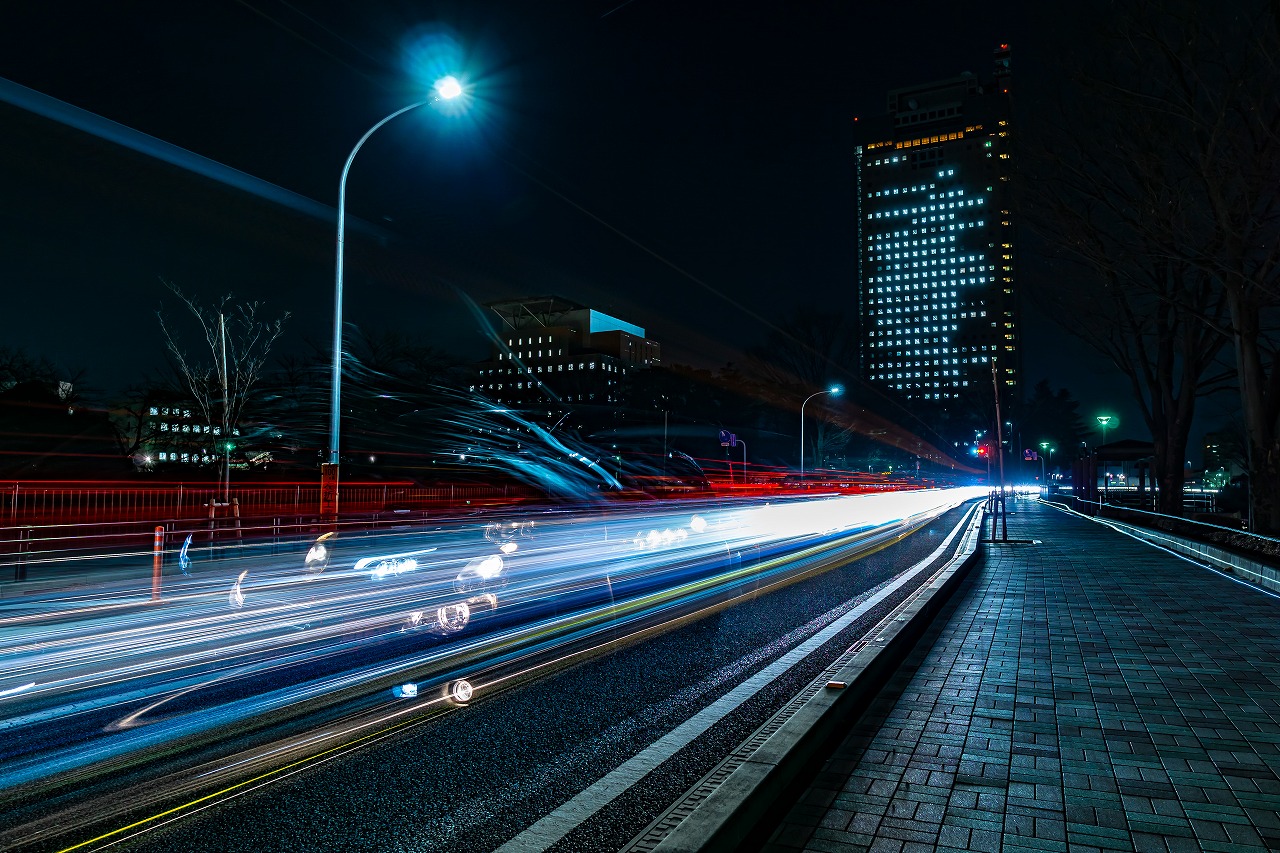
728, 439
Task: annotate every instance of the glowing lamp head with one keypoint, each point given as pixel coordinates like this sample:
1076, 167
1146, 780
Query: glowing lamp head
448, 88
836, 390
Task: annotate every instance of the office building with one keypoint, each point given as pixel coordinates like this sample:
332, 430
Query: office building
550, 354
937, 296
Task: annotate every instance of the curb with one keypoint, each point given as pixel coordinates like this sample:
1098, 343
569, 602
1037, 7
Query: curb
727, 808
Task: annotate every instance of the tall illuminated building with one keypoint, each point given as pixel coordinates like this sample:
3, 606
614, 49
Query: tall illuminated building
937, 294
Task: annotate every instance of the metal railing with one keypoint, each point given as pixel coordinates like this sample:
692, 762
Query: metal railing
35, 502
68, 553
1228, 534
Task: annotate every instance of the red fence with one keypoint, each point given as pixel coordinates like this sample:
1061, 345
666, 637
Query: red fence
46, 502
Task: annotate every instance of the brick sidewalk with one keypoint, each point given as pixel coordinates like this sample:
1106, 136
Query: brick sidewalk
1086, 693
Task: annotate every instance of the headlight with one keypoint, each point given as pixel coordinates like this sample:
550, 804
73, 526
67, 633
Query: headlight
459, 692
236, 598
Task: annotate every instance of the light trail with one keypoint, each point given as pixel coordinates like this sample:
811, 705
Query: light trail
98, 691
51, 108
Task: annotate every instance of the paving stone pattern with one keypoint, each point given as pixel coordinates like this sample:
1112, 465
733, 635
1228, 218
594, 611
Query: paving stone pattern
1087, 693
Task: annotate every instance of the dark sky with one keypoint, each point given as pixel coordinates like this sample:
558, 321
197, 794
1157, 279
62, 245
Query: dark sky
686, 166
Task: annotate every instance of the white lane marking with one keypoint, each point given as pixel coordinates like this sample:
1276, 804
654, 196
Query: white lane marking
18, 689
555, 826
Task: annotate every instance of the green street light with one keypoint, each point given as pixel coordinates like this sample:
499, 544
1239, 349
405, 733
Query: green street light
1045, 447
1105, 421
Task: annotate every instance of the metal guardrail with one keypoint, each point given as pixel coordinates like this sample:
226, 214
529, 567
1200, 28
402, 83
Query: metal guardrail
1244, 544
1130, 497
1102, 507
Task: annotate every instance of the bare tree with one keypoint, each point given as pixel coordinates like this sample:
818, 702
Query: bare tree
17, 367
1116, 188
133, 426
233, 342
1222, 65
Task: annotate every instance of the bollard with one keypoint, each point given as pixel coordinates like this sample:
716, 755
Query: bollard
157, 562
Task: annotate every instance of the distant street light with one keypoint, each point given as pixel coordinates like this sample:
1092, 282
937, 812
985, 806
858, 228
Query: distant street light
1104, 421
446, 88
1045, 447
834, 391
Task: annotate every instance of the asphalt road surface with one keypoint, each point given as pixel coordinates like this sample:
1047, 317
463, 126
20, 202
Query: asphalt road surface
564, 700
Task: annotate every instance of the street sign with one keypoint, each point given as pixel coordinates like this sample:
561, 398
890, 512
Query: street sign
1030, 455
728, 439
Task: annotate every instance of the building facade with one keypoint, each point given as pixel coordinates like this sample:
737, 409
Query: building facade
938, 299
552, 354
176, 433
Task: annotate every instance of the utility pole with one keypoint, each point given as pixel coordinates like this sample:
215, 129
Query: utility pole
664, 442
226, 425
1004, 519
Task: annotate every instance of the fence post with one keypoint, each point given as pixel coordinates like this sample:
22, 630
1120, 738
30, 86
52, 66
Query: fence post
157, 562
24, 546
13, 512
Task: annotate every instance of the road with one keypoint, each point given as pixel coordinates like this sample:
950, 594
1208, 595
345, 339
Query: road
464, 668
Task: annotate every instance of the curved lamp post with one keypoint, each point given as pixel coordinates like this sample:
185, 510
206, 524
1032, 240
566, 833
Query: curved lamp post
446, 88
834, 391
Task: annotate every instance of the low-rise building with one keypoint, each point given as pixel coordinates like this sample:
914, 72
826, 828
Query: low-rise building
551, 354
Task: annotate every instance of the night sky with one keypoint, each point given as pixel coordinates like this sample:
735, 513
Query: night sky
685, 166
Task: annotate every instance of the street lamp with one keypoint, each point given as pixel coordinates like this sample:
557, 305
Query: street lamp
1104, 421
446, 88
1045, 447
834, 391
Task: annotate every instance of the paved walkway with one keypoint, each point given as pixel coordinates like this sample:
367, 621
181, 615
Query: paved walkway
1082, 694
